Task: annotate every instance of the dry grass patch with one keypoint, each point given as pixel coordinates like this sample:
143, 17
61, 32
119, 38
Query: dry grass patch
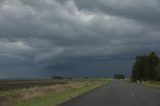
25, 95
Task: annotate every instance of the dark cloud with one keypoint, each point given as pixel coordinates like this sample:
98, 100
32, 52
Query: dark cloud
141, 10
72, 34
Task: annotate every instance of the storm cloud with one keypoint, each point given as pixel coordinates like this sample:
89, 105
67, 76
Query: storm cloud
75, 37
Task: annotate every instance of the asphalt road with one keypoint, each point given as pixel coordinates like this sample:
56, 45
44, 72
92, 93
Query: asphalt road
118, 93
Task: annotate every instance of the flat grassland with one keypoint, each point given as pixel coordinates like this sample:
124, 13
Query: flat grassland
153, 84
44, 93
18, 84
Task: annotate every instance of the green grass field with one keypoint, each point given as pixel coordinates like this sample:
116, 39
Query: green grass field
153, 84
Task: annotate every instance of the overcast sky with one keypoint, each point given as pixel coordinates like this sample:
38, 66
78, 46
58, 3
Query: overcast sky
40, 38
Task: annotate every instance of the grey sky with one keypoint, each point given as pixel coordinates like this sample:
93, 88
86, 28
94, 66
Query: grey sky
47, 37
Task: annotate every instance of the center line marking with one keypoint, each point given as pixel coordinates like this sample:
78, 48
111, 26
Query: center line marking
132, 94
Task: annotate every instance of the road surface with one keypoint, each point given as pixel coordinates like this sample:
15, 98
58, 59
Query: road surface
118, 93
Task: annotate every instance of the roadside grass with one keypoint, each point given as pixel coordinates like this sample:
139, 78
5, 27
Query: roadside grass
10, 92
54, 98
153, 84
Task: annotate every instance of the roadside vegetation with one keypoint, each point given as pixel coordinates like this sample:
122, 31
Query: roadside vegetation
50, 95
153, 84
18, 84
146, 70
119, 76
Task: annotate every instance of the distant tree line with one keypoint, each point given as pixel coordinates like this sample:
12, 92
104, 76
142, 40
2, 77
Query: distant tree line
146, 67
57, 77
119, 76
61, 77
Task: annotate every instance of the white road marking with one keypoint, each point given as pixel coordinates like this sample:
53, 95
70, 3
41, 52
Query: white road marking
132, 94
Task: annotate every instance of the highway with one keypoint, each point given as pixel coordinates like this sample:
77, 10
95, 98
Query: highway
118, 93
